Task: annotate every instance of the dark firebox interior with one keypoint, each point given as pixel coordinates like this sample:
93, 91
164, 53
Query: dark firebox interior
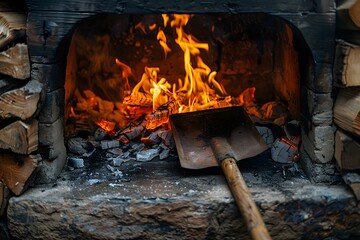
246, 50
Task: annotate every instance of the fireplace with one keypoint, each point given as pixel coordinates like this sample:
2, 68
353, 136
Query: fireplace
292, 45
81, 50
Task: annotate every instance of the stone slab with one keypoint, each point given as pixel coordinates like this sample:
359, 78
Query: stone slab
161, 200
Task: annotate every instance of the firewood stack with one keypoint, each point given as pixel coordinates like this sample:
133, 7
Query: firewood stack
347, 104
19, 100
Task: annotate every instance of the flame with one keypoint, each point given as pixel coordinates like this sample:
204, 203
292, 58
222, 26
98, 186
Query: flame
162, 40
198, 89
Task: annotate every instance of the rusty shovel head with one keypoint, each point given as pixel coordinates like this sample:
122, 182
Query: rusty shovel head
193, 131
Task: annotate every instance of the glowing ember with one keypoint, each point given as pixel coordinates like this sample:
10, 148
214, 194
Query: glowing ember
106, 125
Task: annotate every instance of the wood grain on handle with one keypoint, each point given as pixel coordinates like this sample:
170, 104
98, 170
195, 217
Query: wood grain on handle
244, 200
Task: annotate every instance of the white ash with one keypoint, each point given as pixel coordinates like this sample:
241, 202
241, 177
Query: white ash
106, 144
117, 161
80, 146
115, 151
114, 171
75, 162
137, 146
94, 181
147, 155
164, 154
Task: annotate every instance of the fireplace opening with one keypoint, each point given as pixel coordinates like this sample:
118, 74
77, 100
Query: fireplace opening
126, 74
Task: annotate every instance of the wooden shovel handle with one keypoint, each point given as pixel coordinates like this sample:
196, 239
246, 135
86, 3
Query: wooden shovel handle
244, 200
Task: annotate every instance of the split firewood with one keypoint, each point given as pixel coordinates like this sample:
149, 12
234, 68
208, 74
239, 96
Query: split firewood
20, 137
4, 198
347, 149
21, 102
157, 118
347, 110
18, 171
346, 64
12, 27
131, 132
15, 62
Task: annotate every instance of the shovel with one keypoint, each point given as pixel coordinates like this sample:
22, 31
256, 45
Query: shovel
221, 137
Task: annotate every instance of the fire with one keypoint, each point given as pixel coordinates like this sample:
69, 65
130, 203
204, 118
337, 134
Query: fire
153, 97
199, 88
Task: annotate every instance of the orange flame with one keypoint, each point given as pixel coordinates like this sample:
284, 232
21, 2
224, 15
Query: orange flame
199, 88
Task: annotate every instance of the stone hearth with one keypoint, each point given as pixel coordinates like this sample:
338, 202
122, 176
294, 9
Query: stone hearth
148, 201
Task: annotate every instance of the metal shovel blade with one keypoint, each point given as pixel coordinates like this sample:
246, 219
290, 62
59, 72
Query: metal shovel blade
193, 131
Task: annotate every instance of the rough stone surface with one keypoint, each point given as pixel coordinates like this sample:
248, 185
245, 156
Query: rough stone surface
160, 200
318, 143
51, 109
318, 106
52, 150
319, 172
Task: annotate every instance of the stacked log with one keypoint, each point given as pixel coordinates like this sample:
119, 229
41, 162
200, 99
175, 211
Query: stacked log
347, 104
19, 105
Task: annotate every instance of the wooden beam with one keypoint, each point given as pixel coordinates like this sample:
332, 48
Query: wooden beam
22, 102
18, 171
20, 137
15, 62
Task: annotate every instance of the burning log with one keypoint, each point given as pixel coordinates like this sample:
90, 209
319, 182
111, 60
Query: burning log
21, 102
151, 139
283, 151
139, 99
157, 118
15, 62
167, 138
18, 171
20, 137
130, 132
